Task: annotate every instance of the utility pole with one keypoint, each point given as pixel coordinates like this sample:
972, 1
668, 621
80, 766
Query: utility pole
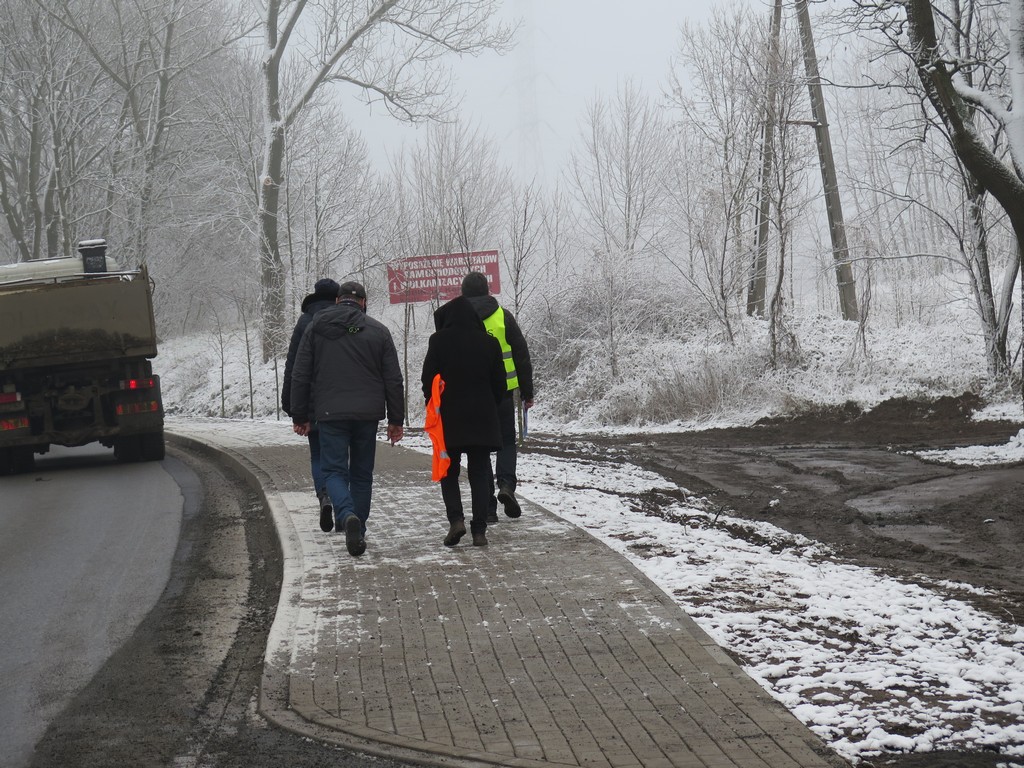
833, 205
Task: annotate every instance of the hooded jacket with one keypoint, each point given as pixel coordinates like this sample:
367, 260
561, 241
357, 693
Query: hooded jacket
313, 303
486, 306
469, 361
347, 365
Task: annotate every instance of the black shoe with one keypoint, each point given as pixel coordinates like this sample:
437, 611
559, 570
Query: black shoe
492, 516
326, 512
479, 539
508, 500
455, 533
354, 536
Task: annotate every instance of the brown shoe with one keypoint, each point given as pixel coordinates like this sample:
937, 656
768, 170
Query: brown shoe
480, 539
354, 540
455, 533
326, 512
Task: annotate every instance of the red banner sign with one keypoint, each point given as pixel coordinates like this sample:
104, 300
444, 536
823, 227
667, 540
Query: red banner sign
426, 278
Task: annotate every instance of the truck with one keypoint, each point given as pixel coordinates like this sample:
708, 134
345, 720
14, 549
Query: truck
77, 337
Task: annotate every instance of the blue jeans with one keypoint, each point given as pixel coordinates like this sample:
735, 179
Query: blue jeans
314, 461
347, 453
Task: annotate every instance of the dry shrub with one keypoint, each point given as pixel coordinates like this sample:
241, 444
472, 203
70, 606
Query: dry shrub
715, 386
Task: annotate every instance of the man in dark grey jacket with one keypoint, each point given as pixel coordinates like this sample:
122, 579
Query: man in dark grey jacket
347, 369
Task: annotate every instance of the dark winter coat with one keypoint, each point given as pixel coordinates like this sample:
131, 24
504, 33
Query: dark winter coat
348, 366
313, 303
469, 361
486, 306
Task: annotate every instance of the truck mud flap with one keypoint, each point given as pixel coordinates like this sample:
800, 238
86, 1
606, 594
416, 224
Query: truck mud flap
17, 460
148, 446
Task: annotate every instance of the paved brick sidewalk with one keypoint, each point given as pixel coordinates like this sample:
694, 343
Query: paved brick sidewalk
545, 647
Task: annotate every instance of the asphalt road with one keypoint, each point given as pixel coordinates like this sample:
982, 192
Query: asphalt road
86, 547
182, 690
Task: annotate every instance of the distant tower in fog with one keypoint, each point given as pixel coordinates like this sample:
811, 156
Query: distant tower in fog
531, 151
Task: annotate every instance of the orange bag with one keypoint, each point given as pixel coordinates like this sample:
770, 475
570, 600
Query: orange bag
432, 426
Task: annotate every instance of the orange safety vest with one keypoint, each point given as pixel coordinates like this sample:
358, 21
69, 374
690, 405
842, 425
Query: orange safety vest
432, 426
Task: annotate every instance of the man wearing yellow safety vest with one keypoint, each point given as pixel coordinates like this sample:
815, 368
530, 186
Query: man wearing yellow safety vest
500, 323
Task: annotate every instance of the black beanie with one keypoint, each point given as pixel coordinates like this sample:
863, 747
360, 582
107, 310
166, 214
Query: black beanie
326, 287
475, 284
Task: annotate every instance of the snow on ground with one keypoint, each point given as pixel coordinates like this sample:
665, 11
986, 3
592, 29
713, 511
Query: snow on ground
980, 455
1012, 452
870, 663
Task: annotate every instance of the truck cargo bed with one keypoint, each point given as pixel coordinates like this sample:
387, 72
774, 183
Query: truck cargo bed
67, 322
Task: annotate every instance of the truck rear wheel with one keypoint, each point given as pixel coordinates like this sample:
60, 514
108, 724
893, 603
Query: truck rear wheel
153, 446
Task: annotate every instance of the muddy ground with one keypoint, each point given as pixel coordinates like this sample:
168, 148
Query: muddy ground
844, 477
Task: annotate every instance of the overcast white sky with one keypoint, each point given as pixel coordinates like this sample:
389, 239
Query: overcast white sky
568, 51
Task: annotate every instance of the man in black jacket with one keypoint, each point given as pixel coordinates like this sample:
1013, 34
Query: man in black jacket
324, 295
500, 323
347, 378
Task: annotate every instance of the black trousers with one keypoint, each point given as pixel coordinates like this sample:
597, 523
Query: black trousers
481, 487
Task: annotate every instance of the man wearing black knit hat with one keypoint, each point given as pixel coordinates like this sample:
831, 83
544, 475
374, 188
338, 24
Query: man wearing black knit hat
324, 295
500, 323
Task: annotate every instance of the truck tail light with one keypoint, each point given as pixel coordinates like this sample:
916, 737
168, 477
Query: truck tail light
7, 398
148, 383
18, 422
146, 406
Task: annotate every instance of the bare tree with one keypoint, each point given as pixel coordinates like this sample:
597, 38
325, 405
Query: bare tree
478, 185
969, 60
715, 96
616, 173
756, 290
916, 223
201, 232
558, 232
388, 50
51, 112
616, 177
454, 189
142, 53
525, 234
335, 201
788, 195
